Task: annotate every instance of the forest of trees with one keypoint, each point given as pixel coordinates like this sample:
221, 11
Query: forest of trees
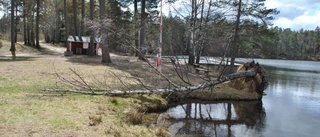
232, 28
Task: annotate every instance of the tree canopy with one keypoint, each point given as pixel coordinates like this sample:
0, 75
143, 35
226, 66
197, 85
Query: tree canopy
204, 28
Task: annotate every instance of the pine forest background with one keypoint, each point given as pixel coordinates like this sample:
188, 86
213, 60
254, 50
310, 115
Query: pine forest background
201, 28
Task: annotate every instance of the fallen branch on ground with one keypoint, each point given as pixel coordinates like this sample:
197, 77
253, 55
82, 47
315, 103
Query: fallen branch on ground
159, 91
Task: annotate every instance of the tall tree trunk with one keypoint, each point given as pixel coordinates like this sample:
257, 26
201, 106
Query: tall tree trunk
91, 46
235, 41
24, 24
28, 33
104, 43
37, 24
192, 33
201, 36
13, 27
16, 30
68, 51
136, 32
82, 17
57, 29
75, 17
142, 27
32, 36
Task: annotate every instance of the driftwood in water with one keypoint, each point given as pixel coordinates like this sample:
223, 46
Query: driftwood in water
212, 83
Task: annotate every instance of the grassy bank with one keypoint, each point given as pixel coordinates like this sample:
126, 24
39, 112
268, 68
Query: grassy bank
25, 110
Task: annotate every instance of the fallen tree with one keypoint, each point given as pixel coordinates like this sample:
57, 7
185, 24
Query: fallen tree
221, 79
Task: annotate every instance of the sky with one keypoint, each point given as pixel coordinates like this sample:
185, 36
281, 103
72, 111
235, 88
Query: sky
294, 14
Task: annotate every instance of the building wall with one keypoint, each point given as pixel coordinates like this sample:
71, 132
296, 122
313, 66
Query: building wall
78, 49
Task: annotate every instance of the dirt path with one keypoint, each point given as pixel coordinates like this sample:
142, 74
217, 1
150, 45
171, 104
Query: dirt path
52, 50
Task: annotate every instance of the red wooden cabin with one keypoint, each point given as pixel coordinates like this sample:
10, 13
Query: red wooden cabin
79, 47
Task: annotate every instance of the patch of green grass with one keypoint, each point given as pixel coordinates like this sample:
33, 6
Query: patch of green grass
13, 115
9, 90
2, 104
117, 116
17, 111
116, 102
3, 78
3, 119
62, 123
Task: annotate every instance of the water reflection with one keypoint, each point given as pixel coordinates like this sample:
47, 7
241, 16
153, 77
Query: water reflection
291, 107
293, 102
215, 119
300, 87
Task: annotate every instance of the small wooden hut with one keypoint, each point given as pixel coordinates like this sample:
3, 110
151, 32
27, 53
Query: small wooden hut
79, 47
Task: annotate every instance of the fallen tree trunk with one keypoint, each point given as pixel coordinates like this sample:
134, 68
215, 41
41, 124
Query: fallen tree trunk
211, 83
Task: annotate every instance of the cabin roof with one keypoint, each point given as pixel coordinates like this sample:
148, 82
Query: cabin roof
84, 39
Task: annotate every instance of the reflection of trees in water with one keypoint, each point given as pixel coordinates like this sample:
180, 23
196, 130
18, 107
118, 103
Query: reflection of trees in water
199, 119
252, 113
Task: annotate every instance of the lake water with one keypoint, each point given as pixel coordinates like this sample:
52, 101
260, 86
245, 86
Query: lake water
291, 107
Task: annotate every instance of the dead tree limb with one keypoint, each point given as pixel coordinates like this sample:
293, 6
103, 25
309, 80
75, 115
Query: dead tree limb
211, 83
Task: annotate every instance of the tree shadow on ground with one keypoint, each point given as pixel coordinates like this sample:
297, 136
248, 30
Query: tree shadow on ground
84, 59
18, 58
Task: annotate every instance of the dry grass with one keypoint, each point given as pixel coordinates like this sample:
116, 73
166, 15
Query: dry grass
27, 111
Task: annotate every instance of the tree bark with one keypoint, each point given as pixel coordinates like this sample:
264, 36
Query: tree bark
235, 41
104, 42
136, 32
211, 83
57, 33
82, 17
192, 49
67, 52
142, 27
75, 17
201, 36
37, 24
13, 28
91, 45
17, 22
24, 24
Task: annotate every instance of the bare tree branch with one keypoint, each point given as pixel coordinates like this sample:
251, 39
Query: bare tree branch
159, 91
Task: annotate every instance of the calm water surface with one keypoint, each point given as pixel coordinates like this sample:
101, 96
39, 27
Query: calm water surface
291, 108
